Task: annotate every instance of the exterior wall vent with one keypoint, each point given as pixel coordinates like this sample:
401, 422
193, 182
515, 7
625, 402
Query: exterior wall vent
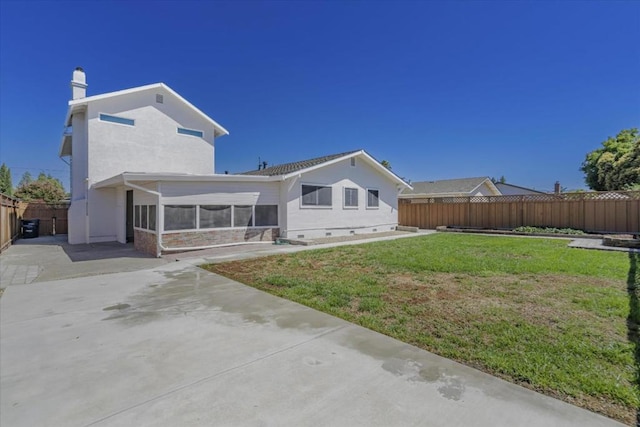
159, 98
352, 232
300, 236
374, 230
327, 234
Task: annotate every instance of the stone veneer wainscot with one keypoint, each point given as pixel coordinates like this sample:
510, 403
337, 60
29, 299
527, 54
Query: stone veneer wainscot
190, 239
145, 242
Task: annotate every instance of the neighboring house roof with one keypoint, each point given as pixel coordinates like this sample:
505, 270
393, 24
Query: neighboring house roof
81, 103
463, 187
513, 190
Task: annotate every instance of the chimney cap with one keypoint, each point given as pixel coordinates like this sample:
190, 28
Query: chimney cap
80, 69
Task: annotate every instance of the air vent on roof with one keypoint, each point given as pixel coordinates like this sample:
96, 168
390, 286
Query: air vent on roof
159, 98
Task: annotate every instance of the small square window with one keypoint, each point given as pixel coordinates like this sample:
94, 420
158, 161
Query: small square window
243, 216
179, 217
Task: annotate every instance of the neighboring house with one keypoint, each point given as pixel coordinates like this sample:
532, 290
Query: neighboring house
515, 190
450, 188
142, 169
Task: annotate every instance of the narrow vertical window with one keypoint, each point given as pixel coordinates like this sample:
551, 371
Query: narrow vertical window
350, 197
373, 199
136, 216
143, 216
152, 217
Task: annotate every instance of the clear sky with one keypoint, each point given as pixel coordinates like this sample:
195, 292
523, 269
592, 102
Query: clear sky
439, 89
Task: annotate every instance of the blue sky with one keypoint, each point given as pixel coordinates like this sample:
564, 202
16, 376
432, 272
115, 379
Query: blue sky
439, 89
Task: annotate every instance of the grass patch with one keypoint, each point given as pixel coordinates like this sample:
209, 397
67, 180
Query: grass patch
532, 311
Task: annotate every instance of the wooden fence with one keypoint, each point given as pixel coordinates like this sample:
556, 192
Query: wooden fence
52, 216
601, 212
10, 212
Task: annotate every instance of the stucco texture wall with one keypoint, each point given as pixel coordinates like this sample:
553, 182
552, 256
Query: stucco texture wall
338, 220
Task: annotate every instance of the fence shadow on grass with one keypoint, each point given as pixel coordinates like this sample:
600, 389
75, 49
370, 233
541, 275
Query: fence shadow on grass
633, 321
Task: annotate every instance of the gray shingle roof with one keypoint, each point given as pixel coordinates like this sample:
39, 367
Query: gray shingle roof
287, 168
449, 187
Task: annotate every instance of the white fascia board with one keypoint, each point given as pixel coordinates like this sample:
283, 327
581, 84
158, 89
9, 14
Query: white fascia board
119, 179
490, 184
373, 162
220, 131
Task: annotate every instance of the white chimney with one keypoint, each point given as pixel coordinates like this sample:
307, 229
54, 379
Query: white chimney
78, 84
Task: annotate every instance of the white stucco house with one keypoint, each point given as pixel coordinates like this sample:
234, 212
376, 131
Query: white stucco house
142, 170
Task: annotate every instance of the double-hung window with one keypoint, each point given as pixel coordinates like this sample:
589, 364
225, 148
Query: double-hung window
373, 198
351, 198
316, 195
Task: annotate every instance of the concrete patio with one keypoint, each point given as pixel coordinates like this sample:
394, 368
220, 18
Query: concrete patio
171, 344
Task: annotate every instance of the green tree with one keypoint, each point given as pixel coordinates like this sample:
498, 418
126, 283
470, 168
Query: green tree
502, 180
386, 164
45, 188
6, 184
616, 165
25, 180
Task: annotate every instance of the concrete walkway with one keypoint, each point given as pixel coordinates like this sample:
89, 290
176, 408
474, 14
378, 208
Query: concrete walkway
175, 345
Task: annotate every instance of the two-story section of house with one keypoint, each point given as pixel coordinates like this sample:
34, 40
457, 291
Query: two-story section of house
145, 129
142, 170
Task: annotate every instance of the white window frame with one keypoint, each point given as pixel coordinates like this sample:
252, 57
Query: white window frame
233, 213
303, 206
117, 117
148, 216
178, 128
344, 198
367, 198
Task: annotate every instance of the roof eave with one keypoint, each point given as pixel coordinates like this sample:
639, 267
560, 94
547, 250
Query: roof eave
122, 178
373, 162
219, 130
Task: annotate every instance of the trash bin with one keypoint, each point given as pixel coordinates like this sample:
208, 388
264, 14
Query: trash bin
30, 228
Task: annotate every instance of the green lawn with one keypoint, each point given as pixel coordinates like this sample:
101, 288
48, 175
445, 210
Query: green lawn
532, 311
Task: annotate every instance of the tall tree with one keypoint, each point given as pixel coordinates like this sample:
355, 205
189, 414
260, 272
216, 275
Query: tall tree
45, 188
6, 184
616, 165
26, 179
386, 164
